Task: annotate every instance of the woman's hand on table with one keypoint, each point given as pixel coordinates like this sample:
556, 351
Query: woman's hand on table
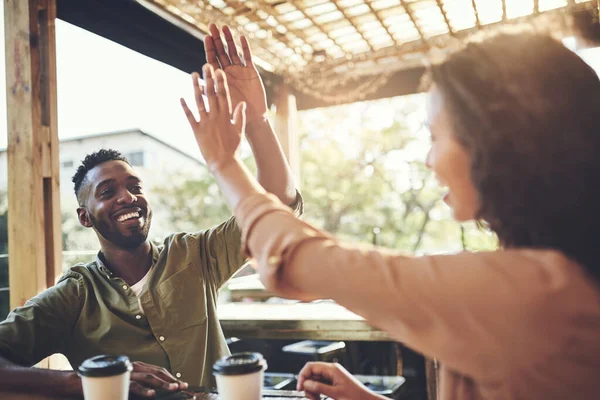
147, 378
332, 380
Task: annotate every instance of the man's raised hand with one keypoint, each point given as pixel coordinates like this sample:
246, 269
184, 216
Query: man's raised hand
218, 132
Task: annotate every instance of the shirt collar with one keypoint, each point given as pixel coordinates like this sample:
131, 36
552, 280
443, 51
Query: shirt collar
109, 274
103, 268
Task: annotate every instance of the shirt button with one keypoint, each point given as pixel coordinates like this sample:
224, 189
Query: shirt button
124, 287
138, 316
161, 338
178, 375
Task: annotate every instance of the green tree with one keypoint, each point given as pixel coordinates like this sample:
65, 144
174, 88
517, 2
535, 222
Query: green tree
190, 203
371, 178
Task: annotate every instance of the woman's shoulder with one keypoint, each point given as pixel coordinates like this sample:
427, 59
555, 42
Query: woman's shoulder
538, 272
552, 278
527, 258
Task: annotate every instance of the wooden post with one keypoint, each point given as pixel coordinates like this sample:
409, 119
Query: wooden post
432, 376
34, 218
286, 123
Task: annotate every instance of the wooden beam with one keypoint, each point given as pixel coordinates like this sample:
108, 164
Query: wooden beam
349, 19
401, 83
286, 122
476, 11
300, 8
445, 15
413, 19
34, 218
387, 29
432, 376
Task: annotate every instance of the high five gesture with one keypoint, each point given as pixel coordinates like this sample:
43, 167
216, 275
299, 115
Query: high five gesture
235, 105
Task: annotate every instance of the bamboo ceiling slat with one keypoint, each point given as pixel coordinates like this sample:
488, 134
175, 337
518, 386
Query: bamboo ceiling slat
477, 21
378, 17
441, 6
349, 18
409, 11
319, 44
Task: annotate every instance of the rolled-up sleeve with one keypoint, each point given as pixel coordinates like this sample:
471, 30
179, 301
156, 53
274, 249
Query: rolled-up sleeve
465, 309
43, 325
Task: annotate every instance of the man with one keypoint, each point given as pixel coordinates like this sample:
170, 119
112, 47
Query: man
155, 304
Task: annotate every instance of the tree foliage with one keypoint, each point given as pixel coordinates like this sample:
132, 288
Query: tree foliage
365, 179
189, 203
361, 183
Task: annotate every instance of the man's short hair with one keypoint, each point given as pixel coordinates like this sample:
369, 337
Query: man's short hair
92, 160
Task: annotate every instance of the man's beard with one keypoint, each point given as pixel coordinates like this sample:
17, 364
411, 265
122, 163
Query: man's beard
118, 239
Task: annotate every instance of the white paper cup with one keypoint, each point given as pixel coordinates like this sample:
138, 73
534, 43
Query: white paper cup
240, 376
105, 377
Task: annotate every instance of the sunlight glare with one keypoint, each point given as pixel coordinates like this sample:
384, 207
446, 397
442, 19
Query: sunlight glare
489, 11
546, 5
518, 8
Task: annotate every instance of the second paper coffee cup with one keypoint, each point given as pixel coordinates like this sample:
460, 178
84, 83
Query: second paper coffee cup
240, 376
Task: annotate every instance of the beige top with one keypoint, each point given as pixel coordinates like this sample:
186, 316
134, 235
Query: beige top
518, 324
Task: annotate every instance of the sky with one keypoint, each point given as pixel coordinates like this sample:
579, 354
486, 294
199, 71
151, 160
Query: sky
103, 87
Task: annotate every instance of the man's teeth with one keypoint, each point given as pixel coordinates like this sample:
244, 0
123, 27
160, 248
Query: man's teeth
128, 216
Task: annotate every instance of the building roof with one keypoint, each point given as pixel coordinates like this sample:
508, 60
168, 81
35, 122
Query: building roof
124, 132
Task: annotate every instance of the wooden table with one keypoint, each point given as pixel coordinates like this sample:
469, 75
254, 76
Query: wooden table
29, 396
318, 321
248, 287
197, 392
203, 395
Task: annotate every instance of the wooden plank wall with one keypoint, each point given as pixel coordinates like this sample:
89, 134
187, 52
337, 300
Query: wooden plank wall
34, 218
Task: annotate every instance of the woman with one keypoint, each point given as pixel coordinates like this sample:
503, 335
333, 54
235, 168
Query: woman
515, 140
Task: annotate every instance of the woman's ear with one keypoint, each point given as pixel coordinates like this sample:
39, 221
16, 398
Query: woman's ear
84, 217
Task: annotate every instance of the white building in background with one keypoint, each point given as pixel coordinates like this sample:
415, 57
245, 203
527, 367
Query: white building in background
155, 160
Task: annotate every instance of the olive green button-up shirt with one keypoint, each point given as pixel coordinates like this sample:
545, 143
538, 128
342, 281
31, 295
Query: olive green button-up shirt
90, 311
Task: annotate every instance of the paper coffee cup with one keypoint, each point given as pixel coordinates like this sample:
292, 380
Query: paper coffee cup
240, 376
105, 377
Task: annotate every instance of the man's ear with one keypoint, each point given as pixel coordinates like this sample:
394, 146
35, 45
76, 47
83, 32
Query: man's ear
84, 218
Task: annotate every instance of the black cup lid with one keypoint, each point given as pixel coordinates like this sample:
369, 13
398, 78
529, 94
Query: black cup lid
240, 364
104, 365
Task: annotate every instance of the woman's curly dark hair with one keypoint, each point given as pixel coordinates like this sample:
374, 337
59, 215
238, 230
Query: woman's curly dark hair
527, 109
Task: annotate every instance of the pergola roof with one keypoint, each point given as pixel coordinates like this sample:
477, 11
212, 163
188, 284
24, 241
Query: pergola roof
328, 51
323, 46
